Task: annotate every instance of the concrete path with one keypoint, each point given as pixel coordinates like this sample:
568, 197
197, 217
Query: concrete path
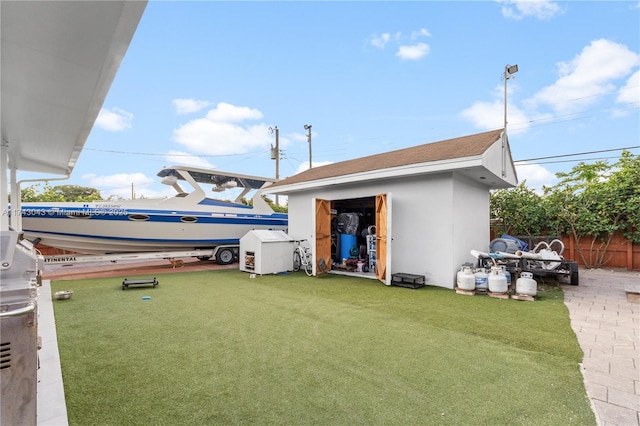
52, 408
607, 326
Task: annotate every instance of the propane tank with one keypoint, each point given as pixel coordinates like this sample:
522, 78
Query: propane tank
506, 274
465, 280
497, 281
526, 284
482, 279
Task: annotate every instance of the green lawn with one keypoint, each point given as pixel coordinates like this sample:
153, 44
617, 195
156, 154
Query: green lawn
222, 348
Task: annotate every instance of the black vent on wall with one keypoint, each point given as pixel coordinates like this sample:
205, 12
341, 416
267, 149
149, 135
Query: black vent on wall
5, 355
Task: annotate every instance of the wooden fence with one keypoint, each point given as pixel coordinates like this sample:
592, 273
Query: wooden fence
621, 252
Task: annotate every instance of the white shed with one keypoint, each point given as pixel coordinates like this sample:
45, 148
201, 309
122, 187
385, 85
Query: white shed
429, 205
266, 252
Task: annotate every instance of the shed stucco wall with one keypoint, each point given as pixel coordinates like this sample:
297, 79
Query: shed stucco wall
471, 218
436, 221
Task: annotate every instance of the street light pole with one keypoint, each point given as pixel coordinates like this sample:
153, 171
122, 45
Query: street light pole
509, 70
307, 127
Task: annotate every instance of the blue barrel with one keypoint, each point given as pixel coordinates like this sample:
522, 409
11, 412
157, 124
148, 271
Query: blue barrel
347, 241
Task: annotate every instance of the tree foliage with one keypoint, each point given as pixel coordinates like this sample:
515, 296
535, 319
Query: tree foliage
625, 183
520, 211
590, 203
275, 207
78, 193
58, 193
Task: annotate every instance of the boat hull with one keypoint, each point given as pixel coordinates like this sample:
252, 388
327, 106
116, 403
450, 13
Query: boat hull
125, 230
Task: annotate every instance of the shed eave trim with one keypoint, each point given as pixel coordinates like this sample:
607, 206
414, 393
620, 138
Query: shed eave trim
378, 174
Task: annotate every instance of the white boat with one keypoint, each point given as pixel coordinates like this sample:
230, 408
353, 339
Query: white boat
188, 220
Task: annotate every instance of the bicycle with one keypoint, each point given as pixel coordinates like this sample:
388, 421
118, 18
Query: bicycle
302, 257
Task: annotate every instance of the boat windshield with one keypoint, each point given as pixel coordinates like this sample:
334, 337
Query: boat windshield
235, 186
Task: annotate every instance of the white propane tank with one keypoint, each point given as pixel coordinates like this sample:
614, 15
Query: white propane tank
465, 280
506, 274
497, 281
482, 279
526, 284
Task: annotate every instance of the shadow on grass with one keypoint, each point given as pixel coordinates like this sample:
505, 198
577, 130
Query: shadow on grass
223, 348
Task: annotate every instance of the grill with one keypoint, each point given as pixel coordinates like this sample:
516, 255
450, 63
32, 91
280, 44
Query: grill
19, 273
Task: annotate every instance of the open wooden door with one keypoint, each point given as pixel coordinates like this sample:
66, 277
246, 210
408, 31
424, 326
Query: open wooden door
383, 238
322, 253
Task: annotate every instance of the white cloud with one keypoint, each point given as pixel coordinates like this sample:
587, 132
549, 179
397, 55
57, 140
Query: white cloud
120, 179
114, 120
592, 74
300, 137
490, 115
535, 176
588, 76
120, 185
540, 9
381, 40
422, 32
221, 131
305, 165
186, 159
630, 93
408, 49
413, 52
225, 112
188, 106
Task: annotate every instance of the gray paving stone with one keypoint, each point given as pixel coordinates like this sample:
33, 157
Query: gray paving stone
623, 399
614, 415
598, 309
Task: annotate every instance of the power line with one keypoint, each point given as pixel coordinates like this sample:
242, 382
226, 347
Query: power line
565, 161
576, 154
564, 118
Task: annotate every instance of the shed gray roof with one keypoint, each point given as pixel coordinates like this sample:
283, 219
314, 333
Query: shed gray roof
466, 146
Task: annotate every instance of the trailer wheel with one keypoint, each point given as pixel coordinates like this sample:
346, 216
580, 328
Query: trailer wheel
574, 273
224, 256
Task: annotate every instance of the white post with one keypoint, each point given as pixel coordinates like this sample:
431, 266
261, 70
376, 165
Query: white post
4, 195
16, 201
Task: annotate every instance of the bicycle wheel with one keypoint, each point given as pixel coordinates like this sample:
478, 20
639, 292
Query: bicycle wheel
296, 261
308, 266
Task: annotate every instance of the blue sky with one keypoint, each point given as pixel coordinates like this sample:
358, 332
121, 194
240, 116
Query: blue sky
203, 82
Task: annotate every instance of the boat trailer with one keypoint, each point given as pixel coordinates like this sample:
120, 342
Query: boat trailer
542, 261
224, 255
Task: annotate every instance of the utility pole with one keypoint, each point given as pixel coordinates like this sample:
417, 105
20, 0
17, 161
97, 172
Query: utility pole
307, 127
275, 155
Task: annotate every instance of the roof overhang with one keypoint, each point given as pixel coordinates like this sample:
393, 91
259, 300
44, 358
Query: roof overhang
58, 61
490, 169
